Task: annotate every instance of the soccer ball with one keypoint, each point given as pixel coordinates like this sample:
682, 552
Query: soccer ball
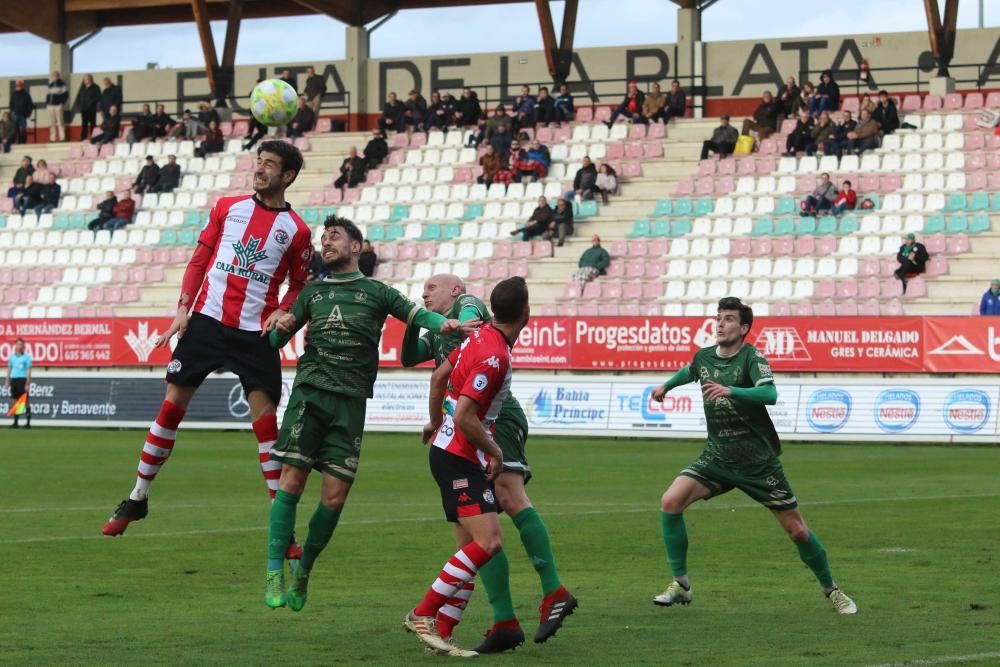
273, 102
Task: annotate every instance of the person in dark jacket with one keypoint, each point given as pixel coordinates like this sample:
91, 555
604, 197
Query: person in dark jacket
367, 259
790, 98
105, 211
392, 115
538, 223
352, 170
206, 114
213, 142
111, 125
122, 213
48, 196
303, 120
169, 177
162, 122
111, 96
563, 105
21, 175
839, 140
29, 196
799, 138
827, 97
676, 105
315, 89
912, 258
8, 132
87, 99
885, 113
376, 150
545, 111
414, 110
821, 133
723, 139
562, 223
765, 118
142, 126
437, 116
631, 105
148, 176
593, 262
21, 108
990, 303
467, 109
584, 182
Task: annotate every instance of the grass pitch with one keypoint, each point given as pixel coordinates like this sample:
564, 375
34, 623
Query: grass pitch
911, 532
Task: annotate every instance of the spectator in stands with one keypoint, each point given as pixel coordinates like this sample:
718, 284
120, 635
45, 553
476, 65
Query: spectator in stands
821, 133
676, 105
352, 170
317, 267
827, 96
169, 177
48, 197
593, 262
188, 127
866, 103
562, 223
213, 142
122, 213
990, 303
837, 143
8, 132
865, 136
885, 113
563, 105
392, 115
315, 89
437, 117
367, 260
376, 150
87, 98
449, 106
515, 156
607, 181
723, 139
21, 108
545, 108
822, 197
800, 137
28, 196
55, 102
631, 105
414, 111
303, 120
111, 96
500, 131
585, 181
162, 122
912, 258
105, 211
21, 176
534, 164
524, 108
765, 118
111, 125
142, 126
467, 109
653, 104
790, 98
148, 176
41, 172
206, 114
286, 76
539, 222
845, 200
491, 164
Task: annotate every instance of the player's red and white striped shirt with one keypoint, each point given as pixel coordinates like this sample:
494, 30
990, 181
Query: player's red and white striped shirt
482, 371
244, 254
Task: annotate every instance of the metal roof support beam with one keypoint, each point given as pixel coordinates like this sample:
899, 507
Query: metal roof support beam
942, 36
558, 56
220, 77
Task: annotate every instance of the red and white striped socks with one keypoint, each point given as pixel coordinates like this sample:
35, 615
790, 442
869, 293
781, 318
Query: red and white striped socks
266, 430
159, 444
458, 571
451, 613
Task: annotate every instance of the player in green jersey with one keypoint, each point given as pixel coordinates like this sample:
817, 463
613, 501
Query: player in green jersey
445, 294
324, 420
742, 452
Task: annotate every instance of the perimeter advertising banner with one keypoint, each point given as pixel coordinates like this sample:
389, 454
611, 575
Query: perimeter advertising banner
829, 345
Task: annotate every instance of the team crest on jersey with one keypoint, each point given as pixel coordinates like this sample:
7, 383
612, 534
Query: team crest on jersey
281, 236
493, 361
174, 366
488, 496
249, 253
457, 484
360, 297
315, 297
479, 382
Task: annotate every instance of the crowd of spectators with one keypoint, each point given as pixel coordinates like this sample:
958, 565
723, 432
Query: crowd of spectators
113, 213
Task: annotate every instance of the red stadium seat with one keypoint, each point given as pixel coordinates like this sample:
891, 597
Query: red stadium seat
847, 308
975, 141
852, 104
933, 103
656, 131
652, 289
652, 149
781, 309
726, 167
824, 289
591, 290
707, 167
868, 288
638, 131
957, 244
632, 289
952, 102
993, 100
611, 290
541, 249
869, 308
584, 114
973, 101
658, 247
746, 166
602, 114
892, 308
911, 103
685, 186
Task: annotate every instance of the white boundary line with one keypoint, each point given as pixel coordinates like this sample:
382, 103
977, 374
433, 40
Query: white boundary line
637, 509
943, 660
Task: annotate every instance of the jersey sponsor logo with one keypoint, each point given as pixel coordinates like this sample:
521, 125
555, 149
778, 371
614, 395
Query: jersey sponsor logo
249, 253
828, 410
897, 410
335, 320
480, 382
142, 342
242, 272
281, 236
237, 219
457, 484
966, 410
488, 496
174, 366
494, 362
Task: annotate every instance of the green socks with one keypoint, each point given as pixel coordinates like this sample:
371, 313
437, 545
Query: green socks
535, 538
321, 526
280, 528
495, 576
813, 554
675, 538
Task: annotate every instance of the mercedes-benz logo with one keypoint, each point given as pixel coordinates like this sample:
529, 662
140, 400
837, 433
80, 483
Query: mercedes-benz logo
238, 405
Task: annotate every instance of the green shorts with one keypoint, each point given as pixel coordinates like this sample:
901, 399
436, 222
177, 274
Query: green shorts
322, 430
765, 483
511, 435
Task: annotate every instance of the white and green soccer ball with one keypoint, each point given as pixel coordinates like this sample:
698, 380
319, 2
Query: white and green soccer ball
273, 102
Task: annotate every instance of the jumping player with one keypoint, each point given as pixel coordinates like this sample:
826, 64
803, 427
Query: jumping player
228, 303
325, 418
742, 452
467, 393
445, 294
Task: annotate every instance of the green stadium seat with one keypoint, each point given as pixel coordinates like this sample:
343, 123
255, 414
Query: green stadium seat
995, 202
376, 233
394, 232
785, 206
826, 225
876, 200
805, 226
59, 221
661, 228
704, 206
326, 213
168, 237
192, 219
310, 216
934, 224
432, 232
680, 227
980, 223
77, 221
848, 225
451, 231
640, 229
784, 226
957, 224
399, 212
587, 209
979, 201
472, 211
683, 207
186, 237
664, 207
762, 227
956, 202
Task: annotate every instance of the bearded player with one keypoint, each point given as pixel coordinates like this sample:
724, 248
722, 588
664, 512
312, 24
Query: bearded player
228, 303
445, 294
324, 422
742, 452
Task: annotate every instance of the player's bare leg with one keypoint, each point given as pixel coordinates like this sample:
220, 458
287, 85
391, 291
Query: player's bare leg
678, 497
155, 451
813, 554
321, 526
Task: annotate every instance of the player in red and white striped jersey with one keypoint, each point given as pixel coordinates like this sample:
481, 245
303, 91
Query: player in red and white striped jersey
228, 303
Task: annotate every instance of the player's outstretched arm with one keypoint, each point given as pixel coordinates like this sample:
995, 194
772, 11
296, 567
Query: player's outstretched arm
439, 382
465, 328
764, 393
683, 376
289, 323
467, 421
416, 349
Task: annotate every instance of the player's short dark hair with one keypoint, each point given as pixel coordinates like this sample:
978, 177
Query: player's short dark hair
348, 226
291, 157
508, 299
733, 303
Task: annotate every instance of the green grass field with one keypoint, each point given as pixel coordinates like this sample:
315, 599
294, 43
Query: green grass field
911, 531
